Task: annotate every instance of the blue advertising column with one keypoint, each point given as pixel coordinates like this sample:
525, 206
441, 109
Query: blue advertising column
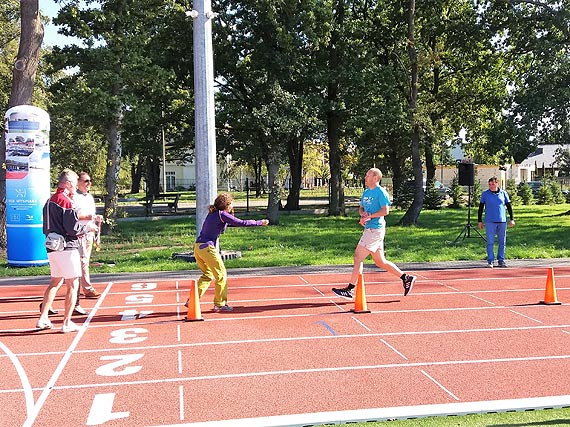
26, 131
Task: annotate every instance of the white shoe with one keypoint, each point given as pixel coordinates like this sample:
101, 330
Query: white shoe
70, 327
44, 325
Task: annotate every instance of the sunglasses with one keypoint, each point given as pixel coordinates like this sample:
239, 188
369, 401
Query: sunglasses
86, 180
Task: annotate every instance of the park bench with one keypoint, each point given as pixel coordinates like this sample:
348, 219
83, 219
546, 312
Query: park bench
163, 200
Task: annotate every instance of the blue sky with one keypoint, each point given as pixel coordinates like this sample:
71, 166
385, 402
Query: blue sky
51, 38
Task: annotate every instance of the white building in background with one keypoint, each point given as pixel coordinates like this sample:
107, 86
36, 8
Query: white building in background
179, 176
183, 176
530, 169
543, 158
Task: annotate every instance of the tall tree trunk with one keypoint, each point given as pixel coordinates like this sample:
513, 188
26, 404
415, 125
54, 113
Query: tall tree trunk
114, 154
152, 175
412, 214
333, 134
334, 116
430, 163
273, 203
23, 78
136, 174
295, 154
257, 173
29, 50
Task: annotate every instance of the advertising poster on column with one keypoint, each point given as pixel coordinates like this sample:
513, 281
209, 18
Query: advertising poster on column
26, 131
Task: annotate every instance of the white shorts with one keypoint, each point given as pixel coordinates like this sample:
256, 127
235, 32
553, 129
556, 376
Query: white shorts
66, 264
373, 239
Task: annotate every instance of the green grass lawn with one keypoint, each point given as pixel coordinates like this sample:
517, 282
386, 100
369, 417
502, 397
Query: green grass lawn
547, 417
146, 246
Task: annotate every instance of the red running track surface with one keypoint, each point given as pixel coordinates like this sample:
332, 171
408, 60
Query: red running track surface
290, 353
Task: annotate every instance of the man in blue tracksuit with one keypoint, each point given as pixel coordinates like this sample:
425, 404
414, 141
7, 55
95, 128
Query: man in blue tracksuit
496, 203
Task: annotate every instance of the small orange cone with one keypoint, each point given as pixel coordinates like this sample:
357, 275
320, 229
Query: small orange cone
360, 300
550, 292
194, 312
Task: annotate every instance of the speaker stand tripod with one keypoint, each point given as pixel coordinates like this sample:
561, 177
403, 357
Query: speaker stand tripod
466, 232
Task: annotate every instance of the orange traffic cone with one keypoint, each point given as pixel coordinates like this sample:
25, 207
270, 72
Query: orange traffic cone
360, 300
194, 312
550, 292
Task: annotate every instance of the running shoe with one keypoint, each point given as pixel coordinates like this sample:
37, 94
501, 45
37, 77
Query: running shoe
44, 325
408, 283
79, 310
70, 327
346, 293
91, 293
222, 308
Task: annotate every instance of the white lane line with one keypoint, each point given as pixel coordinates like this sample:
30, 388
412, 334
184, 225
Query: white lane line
383, 414
26, 386
319, 291
303, 279
181, 401
33, 414
393, 349
314, 370
361, 324
340, 307
482, 299
526, 317
302, 338
439, 384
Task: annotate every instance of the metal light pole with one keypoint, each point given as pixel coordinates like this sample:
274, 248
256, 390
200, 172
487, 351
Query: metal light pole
163, 141
205, 133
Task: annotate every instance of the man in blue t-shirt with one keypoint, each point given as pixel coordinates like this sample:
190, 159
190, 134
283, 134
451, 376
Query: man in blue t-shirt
495, 202
374, 206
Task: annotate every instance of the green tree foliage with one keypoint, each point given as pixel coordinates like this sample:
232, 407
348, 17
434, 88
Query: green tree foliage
534, 36
404, 196
117, 87
562, 158
544, 196
457, 194
476, 191
262, 74
525, 193
513, 193
555, 189
433, 199
337, 72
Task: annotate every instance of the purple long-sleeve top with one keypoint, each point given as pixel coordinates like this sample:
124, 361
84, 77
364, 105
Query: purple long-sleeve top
216, 223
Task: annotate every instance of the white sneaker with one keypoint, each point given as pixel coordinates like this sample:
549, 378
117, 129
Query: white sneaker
70, 327
218, 308
44, 325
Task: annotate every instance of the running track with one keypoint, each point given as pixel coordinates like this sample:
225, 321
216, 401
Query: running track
464, 341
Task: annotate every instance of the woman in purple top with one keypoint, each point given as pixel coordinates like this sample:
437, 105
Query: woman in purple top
206, 250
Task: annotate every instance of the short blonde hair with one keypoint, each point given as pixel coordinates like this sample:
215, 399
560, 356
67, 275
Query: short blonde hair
376, 172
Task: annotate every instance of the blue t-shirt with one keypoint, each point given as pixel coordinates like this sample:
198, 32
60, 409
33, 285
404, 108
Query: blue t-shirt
495, 205
372, 201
